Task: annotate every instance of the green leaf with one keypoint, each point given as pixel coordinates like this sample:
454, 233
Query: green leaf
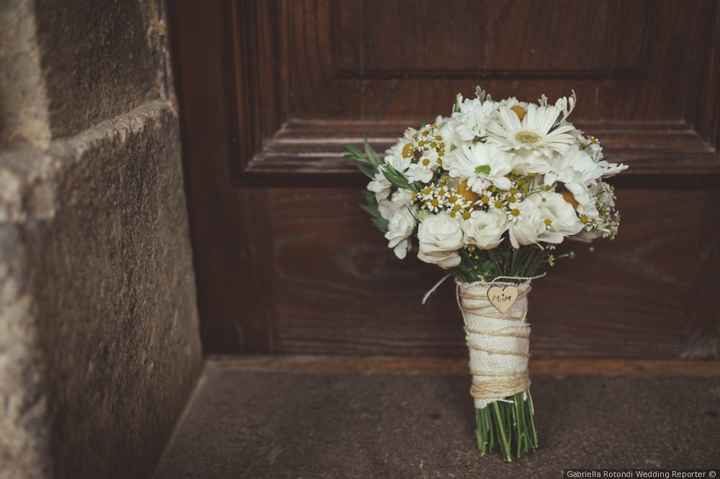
371, 208
367, 170
381, 224
397, 178
353, 150
371, 155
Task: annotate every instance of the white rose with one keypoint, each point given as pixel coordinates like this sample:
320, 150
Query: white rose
559, 216
380, 186
400, 228
440, 237
527, 226
484, 229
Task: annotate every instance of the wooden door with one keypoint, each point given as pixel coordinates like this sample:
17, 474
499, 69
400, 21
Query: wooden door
286, 261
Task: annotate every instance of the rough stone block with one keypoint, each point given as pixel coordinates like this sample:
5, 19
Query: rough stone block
104, 58
99, 346
115, 295
23, 105
23, 415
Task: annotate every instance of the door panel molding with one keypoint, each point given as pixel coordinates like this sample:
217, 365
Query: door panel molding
281, 49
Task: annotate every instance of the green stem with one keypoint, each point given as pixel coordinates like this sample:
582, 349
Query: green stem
488, 425
481, 434
519, 426
531, 419
499, 420
507, 427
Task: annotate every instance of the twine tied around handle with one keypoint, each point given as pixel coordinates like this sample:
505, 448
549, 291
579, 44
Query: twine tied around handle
498, 342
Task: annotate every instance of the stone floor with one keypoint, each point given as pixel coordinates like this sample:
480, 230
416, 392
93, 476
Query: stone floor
252, 424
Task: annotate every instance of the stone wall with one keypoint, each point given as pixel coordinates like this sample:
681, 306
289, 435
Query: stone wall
98, 325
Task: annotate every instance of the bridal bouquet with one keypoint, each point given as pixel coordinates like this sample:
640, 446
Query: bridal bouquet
488, 194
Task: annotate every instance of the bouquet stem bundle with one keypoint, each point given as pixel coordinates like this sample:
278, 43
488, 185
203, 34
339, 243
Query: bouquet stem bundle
507, 427
498, 343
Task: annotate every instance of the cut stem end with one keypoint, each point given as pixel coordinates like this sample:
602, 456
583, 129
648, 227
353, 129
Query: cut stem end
507, 427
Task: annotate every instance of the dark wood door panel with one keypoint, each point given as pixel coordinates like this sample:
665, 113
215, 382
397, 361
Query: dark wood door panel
308, 72
338, 289
270, 91
618, 55
395, 38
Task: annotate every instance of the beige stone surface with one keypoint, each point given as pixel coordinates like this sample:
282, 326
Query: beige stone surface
98, 325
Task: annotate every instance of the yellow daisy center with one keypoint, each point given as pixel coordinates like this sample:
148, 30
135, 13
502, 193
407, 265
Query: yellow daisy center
527, 137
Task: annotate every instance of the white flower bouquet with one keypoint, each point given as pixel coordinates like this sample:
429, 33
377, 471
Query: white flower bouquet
488, 194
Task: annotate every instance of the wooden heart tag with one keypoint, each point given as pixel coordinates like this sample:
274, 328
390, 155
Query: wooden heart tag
502, 297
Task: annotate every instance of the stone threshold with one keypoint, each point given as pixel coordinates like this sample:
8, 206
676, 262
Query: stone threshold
314, 417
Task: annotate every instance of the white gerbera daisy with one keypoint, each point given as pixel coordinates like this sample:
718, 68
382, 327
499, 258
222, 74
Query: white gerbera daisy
539, 128
577, 171
483, 164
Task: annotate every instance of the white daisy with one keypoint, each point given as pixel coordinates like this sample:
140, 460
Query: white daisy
424, 169
483, 164
577, 171
471, 117
539, 129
